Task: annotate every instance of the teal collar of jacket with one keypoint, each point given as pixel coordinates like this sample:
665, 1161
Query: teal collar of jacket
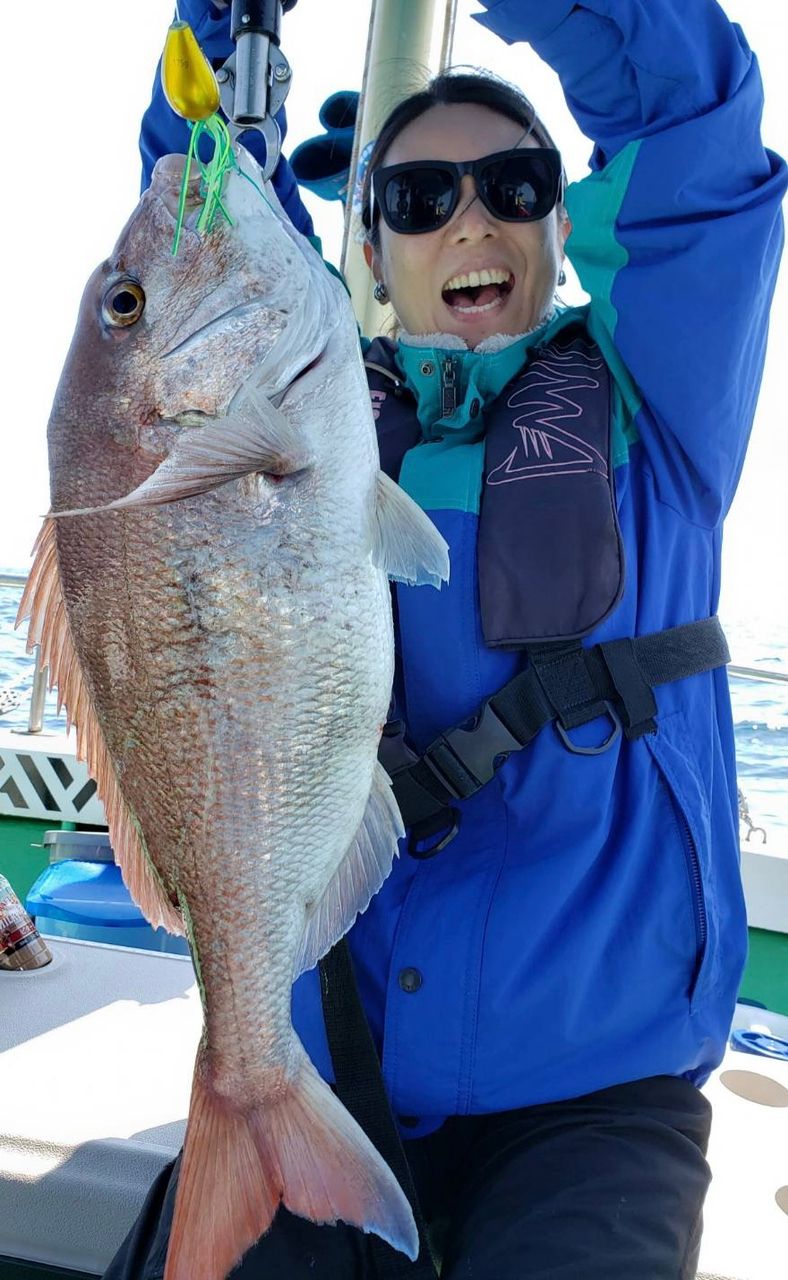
453, 385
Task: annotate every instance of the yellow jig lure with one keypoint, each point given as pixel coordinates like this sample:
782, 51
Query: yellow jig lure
192, 91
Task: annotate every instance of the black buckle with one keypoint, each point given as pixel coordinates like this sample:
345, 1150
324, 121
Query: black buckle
464, 759
394, 753
593, 751
448, 821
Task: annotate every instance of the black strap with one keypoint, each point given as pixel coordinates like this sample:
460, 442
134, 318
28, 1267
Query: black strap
360, 1087
564, 683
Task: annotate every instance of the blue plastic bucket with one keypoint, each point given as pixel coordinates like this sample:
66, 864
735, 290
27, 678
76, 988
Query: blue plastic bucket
81, 895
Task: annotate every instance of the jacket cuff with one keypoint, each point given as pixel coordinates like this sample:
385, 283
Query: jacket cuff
524, 20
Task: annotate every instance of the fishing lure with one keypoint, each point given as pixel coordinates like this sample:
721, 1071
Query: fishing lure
191, 89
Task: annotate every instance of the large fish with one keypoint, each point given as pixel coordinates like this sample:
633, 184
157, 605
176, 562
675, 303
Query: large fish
217, 619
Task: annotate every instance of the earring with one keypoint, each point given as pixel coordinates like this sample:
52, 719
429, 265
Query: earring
380, 292
562, 277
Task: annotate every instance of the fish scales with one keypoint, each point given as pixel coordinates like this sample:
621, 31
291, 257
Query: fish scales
211, 593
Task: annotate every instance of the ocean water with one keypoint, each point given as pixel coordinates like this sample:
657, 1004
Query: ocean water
760, 711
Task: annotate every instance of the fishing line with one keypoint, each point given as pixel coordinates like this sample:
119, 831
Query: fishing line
212, 176
182, 197
259, 190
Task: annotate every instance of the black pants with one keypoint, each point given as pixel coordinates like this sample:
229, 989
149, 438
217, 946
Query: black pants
605, 1187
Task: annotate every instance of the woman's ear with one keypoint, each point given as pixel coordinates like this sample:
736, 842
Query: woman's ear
372, 259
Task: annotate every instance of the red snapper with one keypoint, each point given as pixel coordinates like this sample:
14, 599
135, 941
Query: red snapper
211, 594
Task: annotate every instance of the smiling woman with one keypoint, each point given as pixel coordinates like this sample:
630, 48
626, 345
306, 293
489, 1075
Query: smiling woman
470, 176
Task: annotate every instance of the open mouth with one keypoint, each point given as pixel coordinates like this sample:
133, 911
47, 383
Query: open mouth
478, 291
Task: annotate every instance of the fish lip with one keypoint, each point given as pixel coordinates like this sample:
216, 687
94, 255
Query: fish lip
251, 304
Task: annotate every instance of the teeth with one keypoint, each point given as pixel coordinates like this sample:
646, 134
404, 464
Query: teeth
494, 275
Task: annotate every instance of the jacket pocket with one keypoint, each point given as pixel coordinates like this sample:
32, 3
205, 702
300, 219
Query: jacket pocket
671, 750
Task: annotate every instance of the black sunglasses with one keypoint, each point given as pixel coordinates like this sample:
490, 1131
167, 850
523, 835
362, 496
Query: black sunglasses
523, 185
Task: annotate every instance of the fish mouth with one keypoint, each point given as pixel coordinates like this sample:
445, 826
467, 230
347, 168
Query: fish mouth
166, 181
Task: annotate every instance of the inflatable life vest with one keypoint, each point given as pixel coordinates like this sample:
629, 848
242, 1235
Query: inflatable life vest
550, 570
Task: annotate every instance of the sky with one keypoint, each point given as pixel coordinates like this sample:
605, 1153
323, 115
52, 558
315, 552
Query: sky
80, 79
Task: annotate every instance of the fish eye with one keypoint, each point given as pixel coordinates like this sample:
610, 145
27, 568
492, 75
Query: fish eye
124, 303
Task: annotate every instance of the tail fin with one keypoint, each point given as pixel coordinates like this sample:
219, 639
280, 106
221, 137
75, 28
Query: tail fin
301, 1147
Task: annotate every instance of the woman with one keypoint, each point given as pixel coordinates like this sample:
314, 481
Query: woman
551, 975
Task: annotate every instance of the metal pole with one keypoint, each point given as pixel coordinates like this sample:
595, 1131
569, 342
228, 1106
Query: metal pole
409, 41
447, 42
38, 695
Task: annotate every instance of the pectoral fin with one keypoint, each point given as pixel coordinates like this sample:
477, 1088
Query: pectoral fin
407, 544
258, 438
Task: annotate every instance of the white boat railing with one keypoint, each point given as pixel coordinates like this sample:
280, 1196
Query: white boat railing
758, 673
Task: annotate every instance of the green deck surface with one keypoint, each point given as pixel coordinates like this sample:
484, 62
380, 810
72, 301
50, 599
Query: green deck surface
22, 853
766, 976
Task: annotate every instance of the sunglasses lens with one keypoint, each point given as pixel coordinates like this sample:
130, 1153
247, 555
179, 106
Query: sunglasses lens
418, 199
520, 187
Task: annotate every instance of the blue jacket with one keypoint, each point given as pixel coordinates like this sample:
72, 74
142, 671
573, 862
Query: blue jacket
587, 926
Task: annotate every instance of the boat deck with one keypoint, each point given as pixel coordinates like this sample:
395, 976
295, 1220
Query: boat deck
96, 1058
96, 1055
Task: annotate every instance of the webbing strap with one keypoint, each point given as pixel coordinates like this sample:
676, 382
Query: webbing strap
360, 1087
563, 683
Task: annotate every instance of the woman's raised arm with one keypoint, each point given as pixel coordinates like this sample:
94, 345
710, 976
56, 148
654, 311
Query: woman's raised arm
677, 231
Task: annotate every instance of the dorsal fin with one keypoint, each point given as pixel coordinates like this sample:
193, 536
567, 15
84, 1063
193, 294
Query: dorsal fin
42, 600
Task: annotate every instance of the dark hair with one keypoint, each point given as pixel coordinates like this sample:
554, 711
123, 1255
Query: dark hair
451, 87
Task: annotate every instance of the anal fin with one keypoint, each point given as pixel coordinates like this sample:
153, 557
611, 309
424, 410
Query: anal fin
358, 877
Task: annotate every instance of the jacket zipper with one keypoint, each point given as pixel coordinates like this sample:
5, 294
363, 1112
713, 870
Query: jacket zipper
693, 864
448, 388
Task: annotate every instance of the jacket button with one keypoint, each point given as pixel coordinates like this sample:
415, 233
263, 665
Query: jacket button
410, 980
475, 407
408, 1122
427, 368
